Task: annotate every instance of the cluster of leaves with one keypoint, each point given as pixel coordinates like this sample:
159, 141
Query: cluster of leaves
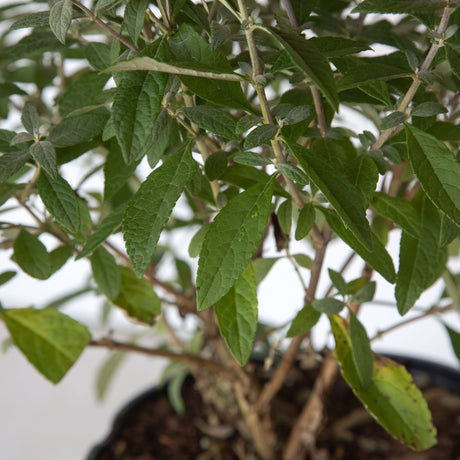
183, 86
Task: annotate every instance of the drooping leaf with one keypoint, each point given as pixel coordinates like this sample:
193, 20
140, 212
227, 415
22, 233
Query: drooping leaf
31, 255
337, 188
236, 315
392, 397
329, 305
305, 221
106, 272
50, 340
107, 371
310, 60
437, 170
60, 18
361, 351
104, 230
304, 321
60, 200
133, 18
231, 241
338, 281
213, 120
149, 209
136, 106
137, 297
378, 258
44, 154
421, 259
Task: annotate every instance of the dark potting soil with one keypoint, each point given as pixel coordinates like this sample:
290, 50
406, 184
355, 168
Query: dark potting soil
149, 429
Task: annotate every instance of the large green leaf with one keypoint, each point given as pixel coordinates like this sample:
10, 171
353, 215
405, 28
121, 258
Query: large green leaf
149, 209
135, 108
137, 297
391, 397
337, 188
231, 241
60, 200
50, 340
311, 61
437, 170
31, 255
421, 259
378, 258
236, 315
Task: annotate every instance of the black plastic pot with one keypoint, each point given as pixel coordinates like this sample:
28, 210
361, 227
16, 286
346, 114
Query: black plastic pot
430, 373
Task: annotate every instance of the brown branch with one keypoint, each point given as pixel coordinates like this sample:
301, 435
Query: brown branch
186, 358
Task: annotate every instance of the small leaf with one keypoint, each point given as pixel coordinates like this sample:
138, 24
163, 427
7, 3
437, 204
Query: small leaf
149, 209
30, 119
260, 136
303, 260
329, 305
428, 109
134, 16
106, 272
294, 173
453, 56
236, 315
365, 294
31, 255
231, 241
6, 276
21, 137
197, 240
59, 257
361, 351
98, 55
392, 120
213, 120
251, 159
12, 162
107, 371
215, 165
50, 340
60, 18
437, 170
44, 154
338, 282
262, 266
137, 297
392, 398
304, 321
285, 216
305, 221
60, 200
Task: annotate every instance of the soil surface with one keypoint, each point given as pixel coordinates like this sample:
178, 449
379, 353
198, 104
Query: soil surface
149, 429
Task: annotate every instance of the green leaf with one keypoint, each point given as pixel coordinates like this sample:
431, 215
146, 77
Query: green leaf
338, 46
44, 154
251, 159
60, 200
361, 351
428, 109
366, 73
338, 281
213, 120
136, 106
137, 297
79, 128
30, 119
107, 371
437, 170
398, 210
337, 188
378, 258
98, 55
392, 397
285, 216
363, 174
60, 18
329, 305
103, 231
294, 173
134, 16
148, 211
392, 120
231, 241
305, 221
365, 294
262, 266
197, 240
6, 276
310, 60
422, 259
50, 340
304, 321
106, 272
453, 56
31, 255
399, 6
12, 162
260, 136
303, 260
215, 165
59, 257
236, 315
454, 337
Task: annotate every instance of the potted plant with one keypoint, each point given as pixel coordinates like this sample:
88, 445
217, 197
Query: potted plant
235, 106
